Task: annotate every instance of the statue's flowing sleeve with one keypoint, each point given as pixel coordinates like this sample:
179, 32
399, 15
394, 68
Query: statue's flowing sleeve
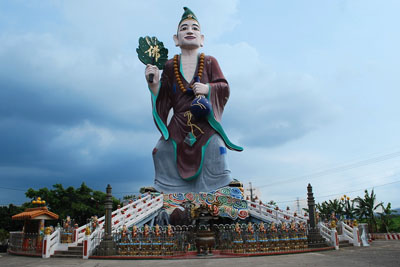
162, 105
218, 96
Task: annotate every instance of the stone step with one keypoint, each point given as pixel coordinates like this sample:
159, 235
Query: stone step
75, 248
67, 252
66, 256
345, 243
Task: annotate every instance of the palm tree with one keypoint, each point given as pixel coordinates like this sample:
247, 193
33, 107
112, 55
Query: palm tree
348, 207
386, 215
323, 210
336, 207
326, 209
366, 209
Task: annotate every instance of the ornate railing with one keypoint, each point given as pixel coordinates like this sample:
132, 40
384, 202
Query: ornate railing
270, 213
349, 233
232, 239
51, 242
162, 242
25, 243
134, 213
330, 235
229, 239
126, 215
91, 241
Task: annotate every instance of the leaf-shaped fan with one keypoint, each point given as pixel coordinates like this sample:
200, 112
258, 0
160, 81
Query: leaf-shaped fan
152, 51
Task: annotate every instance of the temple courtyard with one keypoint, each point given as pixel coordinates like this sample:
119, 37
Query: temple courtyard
380, 253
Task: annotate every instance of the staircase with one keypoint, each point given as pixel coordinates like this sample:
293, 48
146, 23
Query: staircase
349, 235
72, 252
269, 213
137, 212
345, 243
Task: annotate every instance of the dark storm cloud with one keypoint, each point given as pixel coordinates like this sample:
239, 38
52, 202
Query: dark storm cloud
67, 120
22, 140
39, 82
34, 102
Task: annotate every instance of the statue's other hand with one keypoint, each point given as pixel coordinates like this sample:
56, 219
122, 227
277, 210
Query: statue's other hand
200, 89
151, 69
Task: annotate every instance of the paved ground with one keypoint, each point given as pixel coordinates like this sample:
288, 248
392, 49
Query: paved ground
380, 253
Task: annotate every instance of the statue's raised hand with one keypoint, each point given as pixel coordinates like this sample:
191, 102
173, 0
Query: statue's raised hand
200, 88
152, 70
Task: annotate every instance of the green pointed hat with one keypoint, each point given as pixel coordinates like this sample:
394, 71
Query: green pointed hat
188, 14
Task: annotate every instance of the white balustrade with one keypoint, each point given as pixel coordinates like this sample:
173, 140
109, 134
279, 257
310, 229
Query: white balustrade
50, 243
137, 213
128, 215
350, 233
363, 236
269, 213
330, 235
91, 241
117, 214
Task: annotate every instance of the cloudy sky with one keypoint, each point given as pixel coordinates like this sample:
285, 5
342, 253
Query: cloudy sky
314, 94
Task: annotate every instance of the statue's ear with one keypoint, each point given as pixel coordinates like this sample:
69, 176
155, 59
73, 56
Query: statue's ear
202, 40
176, 41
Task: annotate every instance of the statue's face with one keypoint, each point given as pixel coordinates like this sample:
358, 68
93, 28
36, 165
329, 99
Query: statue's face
189, 35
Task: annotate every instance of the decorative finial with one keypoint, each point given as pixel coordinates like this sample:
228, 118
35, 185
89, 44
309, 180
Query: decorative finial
38, 201
87, 231
47, 231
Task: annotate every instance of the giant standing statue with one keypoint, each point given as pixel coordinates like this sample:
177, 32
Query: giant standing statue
191, 153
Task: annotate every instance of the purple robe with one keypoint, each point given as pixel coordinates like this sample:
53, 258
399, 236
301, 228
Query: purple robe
189, 157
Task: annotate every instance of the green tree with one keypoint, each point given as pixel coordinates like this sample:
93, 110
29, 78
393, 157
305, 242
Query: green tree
323, 210
366, 208
80, 203
386, 217
348, 207
336, 207
6, 223
4, 234
128, 197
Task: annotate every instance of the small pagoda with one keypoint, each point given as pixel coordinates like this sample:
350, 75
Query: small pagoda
30, 239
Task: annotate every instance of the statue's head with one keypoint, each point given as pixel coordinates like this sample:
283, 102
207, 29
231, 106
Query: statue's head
188, 35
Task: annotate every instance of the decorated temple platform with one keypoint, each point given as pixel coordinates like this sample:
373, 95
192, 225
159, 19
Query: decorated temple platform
220, 223
216, 254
